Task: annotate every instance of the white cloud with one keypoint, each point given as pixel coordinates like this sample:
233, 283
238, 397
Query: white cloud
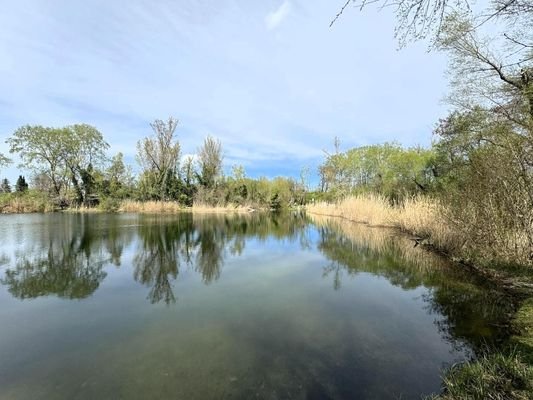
274, 104
275, 18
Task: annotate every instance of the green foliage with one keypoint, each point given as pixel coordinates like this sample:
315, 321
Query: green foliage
497, 376
117, 181
71, 167
523, 327
4, 161
110, 204
21, 185
66, 156
388, 169
28, 201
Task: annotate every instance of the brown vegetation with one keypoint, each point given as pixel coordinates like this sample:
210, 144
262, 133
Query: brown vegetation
431, 221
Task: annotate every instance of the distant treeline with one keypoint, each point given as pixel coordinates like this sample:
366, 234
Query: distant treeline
70, 167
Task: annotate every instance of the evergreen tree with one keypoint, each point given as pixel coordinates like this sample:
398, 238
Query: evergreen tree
21, 185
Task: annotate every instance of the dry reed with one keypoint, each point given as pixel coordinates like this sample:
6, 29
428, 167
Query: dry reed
420, 216
205, 208
169, 207
150, 207
368, 209
11, 204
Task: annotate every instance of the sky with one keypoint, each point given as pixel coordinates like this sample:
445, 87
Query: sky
269, 78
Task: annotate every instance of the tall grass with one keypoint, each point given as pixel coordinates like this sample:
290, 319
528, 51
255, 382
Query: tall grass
29, 202
459, 231
150, 207
496, 376
369, 209
205, 208
169, 207
420, 216
383, 240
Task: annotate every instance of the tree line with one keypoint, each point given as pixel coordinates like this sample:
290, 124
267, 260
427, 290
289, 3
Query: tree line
71, 166
480, 164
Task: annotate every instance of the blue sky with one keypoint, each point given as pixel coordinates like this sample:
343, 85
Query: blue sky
269, 78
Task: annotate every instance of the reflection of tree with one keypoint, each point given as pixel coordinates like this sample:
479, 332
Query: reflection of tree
158, 260
336, 269
63, 263
471, 313
202, 242
66, 254
65, 273
478, 315
210, 256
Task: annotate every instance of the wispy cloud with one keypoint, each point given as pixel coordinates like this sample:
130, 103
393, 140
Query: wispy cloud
275, 18
274, 102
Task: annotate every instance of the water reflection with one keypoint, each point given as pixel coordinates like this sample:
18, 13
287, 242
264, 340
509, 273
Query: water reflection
66, 262
157, 261
267, 326
66, 255
201, 242
473, 311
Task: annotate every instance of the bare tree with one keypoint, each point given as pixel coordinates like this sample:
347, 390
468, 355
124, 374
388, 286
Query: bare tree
495, 71
418, 19
159, 156
210, 158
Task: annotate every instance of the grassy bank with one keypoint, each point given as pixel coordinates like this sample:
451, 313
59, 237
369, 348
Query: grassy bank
29, 202
503, 375
496, 376
157, 207
435, 224
36, 202
507, 374
162, 207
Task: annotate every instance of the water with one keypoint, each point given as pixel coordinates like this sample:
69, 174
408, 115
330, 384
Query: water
216, 307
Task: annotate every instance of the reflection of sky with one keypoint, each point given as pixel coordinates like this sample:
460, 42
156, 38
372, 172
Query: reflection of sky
271, 319
269, 78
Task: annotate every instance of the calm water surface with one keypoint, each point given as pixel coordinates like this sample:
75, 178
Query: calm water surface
215, 307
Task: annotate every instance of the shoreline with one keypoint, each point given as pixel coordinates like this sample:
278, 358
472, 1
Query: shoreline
518, 346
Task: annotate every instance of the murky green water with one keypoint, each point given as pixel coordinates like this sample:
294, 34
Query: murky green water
216, 307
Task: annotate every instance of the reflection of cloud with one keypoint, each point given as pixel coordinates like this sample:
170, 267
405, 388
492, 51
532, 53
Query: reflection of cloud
275, 18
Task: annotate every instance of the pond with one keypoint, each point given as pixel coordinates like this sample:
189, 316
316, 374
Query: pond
125, 306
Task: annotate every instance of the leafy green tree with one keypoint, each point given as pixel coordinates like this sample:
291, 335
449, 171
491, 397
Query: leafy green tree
64, 155
387, 168
41, 150
117, 181
84, 149
188, 174
4, 161
21, 185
